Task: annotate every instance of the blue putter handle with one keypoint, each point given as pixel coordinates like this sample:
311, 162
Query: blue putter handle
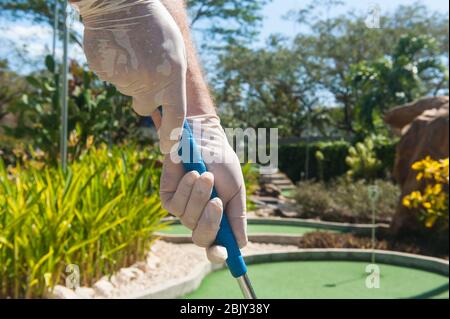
192, 161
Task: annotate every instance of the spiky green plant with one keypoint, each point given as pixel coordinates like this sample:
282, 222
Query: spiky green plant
363, 161
99, 215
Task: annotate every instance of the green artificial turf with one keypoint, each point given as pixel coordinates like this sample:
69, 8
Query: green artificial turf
325, 280
252, 229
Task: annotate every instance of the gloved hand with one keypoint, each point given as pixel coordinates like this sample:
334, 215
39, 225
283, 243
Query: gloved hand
187, 196
137, 46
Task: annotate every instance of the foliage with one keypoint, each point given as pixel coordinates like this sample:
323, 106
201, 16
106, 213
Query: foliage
94, 110
99, 215
362, 161
433, 201
251, 175
268, 87
292, 160
330, 46
11, 86
395, 80
228, 20
419, 246
344, 201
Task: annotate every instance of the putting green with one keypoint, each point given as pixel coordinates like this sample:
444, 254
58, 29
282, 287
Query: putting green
177, 229
326, 280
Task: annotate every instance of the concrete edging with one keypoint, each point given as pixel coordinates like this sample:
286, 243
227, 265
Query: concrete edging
181, 287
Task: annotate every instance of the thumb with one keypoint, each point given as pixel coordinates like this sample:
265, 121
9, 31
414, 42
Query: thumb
170, 127
217, 254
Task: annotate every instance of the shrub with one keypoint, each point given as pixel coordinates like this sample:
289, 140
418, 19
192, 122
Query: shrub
292, 159
433, 201
99, 215
363, 161
345, 201
95, 108
251, 174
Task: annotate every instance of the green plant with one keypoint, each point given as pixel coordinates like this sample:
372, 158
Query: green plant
362, 161
398, 79
345, 201
95, 109
251, 174
99, 215
292, 159
320, 160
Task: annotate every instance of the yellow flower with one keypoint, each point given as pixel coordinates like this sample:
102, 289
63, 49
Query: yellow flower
407, 202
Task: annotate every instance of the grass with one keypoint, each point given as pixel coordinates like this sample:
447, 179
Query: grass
252, 229
324, 280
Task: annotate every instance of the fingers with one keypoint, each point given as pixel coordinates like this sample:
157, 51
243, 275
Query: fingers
217, 254
199, 198
208, 225
176, 203
237, 216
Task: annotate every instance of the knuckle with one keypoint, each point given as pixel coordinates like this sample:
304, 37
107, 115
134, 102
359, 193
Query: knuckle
189, 222
201, 240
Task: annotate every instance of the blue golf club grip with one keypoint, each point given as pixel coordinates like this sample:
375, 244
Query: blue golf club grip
192, 161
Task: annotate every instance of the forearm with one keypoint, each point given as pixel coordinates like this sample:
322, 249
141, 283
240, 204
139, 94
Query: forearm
199, 99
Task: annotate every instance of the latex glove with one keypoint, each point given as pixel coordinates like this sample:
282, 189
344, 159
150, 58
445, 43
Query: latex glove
137, 46
187, 196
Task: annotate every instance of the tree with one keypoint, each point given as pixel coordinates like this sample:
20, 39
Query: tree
395, 80
228, 19
332, 45
94, 110
267, 87
11, 86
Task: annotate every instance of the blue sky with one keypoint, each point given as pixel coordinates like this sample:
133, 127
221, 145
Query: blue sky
36, 40
274, 12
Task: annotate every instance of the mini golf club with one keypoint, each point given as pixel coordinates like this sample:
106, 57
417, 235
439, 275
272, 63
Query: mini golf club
192, 161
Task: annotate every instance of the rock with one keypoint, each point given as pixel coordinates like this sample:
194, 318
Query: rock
126, 275
270, 190
104, 288
404, 115
61, 292
153, 262
85, 292
424, 128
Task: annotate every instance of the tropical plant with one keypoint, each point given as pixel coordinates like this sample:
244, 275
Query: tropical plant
95, 109
395, 80
100, 215
251, 174
362, 161
433, 201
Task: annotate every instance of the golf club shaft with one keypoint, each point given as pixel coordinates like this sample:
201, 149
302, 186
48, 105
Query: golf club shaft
192, 161
246, 287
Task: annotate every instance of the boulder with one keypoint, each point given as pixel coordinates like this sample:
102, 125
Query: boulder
424, 129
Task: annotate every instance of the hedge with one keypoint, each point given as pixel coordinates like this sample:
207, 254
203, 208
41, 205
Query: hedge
292, 159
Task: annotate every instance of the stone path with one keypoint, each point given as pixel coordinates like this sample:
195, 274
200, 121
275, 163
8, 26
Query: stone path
271, 199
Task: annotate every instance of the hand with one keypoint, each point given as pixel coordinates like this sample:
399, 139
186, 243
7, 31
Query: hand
138, 47
187, 196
